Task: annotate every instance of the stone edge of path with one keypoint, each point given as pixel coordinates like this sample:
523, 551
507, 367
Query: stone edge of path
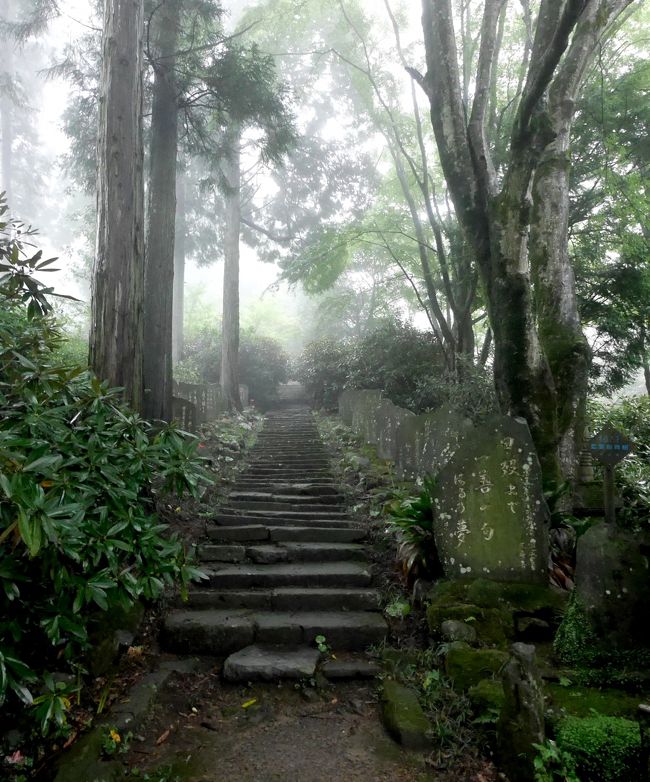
84, 761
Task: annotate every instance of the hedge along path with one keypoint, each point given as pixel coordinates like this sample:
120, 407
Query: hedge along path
286, 563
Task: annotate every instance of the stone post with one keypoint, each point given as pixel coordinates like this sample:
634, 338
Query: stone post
521, 722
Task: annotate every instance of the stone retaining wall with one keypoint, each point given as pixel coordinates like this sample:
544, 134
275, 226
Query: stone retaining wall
491, 518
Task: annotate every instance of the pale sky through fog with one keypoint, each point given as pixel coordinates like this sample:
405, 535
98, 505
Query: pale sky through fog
256, 277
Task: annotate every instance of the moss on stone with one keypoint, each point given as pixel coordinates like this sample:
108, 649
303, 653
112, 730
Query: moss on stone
584, 701
466, 667
486, 698
438, 612
403, 717
606, 749
495, 626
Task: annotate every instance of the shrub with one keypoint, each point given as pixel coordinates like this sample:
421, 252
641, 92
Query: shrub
406, 364
606, 749
263, 364
399, 360
79, 473
323, 368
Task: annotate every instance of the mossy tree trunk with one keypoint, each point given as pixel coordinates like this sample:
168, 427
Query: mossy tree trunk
116, 333
517, 223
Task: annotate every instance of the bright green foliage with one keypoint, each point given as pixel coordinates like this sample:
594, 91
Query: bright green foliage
631, 416
606, 749
79, 473
411, 521
553, 764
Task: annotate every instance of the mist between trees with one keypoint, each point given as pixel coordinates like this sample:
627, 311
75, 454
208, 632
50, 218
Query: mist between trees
469, 175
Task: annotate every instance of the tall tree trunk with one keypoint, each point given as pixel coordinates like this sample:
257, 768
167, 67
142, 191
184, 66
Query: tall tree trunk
116, 333
230, 315
180, 240
161, 216
6, 130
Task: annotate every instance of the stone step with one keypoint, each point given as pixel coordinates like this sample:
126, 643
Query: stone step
294, 489
219, 632
270, 663
283, 499
247, 520
266, 554
320, 574
260, 532
285, 599
274, 505
280, 516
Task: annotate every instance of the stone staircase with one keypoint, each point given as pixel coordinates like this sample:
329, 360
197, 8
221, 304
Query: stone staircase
285, 563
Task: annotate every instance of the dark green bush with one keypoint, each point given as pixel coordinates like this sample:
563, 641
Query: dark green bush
79, 474
263, 364
324, 369
406, 364
606, 749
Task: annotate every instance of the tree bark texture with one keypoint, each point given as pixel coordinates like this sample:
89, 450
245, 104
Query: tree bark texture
161, 216
116, 334
517, 224
230, 313
179, 268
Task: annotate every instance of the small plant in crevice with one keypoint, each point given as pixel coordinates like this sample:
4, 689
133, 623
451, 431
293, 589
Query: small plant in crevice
411, 521
114, 742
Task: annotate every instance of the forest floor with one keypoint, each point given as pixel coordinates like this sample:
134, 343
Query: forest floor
202, 729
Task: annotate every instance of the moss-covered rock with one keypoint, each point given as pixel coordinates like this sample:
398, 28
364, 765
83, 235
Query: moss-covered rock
579, 701
440, 612
403, 717
606, 749
466, 667
486, 698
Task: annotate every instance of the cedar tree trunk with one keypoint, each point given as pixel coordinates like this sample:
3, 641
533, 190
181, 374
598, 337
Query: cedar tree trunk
179, 269
230, 315
161, 216
116, 333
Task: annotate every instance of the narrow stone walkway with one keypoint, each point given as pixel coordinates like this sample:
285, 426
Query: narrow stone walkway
285, 563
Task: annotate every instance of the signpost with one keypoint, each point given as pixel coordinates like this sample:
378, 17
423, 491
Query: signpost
610, 447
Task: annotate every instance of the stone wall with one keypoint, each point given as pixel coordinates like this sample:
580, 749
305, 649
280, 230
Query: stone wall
491, 518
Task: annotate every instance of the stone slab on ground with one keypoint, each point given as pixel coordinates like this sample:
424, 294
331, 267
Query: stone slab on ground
403, 717
350, 669
266, 663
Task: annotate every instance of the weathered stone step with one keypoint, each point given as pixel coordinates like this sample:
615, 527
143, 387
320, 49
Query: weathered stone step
278, 505
259, 497
321, 574
283, 552
285, 599
248, 520
279, 516
269, 663
261, 532
223, 632
294, 489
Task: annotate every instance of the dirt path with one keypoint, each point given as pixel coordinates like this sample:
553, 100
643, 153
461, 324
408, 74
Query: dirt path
288, 733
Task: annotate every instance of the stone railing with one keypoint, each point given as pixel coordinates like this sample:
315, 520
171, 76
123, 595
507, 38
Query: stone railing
490, 516
196, 404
